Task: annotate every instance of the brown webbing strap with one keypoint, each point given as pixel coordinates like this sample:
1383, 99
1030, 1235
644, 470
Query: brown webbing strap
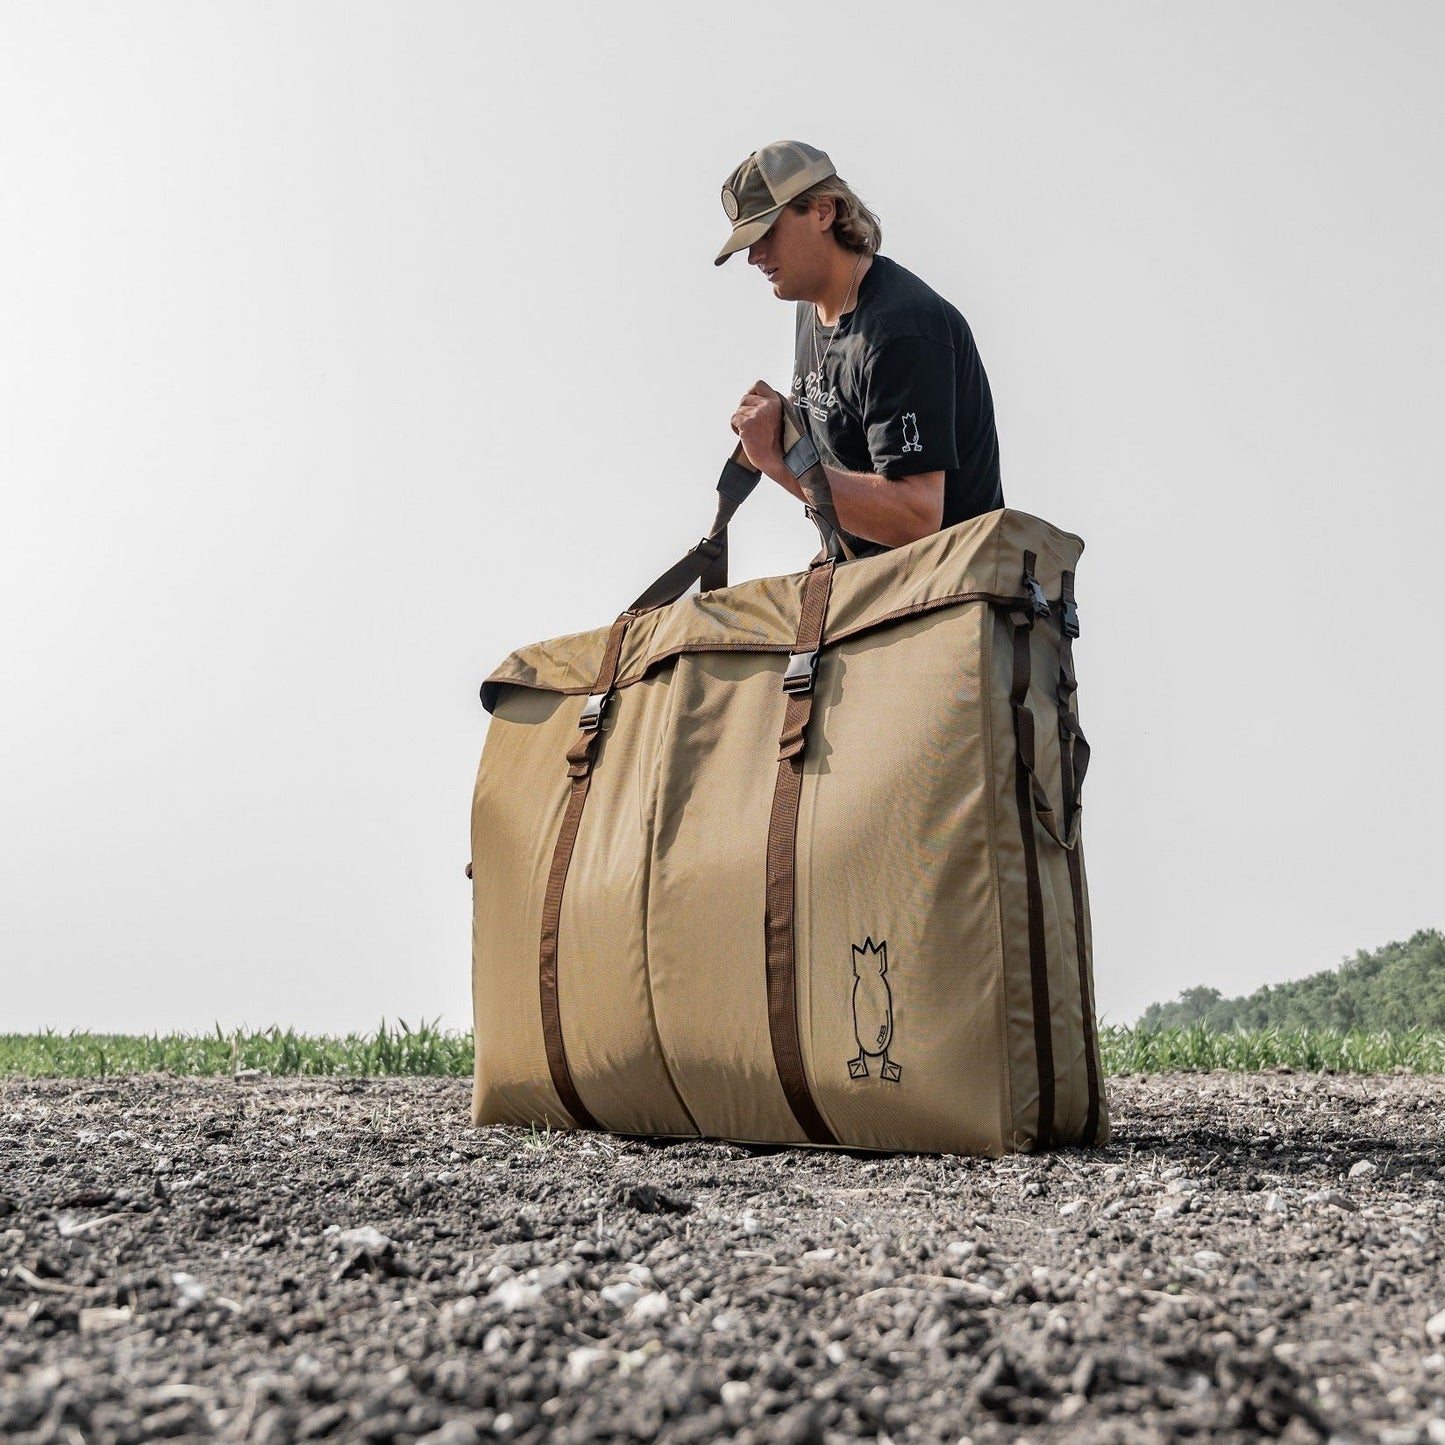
580, 758
1023, 621
779, 924
706, 563
1070, 740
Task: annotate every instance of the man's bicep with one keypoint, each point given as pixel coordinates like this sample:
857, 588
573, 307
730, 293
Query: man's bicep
909, 415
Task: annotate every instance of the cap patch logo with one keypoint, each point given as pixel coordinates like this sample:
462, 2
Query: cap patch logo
730, 204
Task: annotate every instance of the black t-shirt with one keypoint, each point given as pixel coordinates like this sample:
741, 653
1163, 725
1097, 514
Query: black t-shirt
902, 390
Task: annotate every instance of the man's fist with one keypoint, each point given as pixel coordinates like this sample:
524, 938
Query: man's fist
758, 421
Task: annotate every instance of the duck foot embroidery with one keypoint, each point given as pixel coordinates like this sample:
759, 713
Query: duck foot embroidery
858, 1068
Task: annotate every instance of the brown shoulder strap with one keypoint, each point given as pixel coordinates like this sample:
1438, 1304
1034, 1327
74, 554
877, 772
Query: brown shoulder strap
1022, 620
1073, 760
779, 923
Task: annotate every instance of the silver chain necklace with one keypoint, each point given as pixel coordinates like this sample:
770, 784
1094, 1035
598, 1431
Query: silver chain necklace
821, 361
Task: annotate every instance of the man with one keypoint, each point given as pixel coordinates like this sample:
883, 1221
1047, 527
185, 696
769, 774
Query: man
885, 370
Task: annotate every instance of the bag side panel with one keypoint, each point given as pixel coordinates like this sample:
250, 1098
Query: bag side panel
1075, 1031
1065, 1017
899, 970
603, 985
517, 806
705, 935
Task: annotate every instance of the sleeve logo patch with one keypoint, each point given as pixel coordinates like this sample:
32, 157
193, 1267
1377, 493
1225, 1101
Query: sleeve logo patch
911, 440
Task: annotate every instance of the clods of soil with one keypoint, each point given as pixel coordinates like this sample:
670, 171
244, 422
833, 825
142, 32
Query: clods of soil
277, 1260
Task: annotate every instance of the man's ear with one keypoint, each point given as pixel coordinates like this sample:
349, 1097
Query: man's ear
827, 212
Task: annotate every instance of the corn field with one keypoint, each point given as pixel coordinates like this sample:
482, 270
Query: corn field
428, 1050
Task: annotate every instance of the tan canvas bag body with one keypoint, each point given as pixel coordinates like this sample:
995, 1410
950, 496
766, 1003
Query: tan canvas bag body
798, 860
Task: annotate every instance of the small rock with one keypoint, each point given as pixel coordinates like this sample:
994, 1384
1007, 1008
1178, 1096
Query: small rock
97, 1321
1067, 1211
1334, 1199
648, 1200
1208, 1259
1275, 1205
454, 1432
621, 1296
822, 1256
650, 1306
1435, 1327
1435, 1431
581, 1362
517, 1294
502, 1425
373, 1241
1363, 1169
802, 1425
190, 1290
751, 1223
735, 1392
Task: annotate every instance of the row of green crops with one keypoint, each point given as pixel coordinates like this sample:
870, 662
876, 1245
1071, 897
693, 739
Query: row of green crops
428, 1050
1152, 1051
402, 1049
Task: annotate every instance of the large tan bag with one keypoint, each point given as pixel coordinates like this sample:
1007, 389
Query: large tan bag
797, 860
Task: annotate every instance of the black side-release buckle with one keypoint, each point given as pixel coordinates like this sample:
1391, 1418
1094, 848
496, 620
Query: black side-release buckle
591, 718
802, 672
1037, 600
1071, 617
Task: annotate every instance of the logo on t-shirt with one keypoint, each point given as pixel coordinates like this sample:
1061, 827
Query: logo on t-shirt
813, 393
911, 441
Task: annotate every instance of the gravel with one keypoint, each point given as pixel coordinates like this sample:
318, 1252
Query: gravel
275, 1260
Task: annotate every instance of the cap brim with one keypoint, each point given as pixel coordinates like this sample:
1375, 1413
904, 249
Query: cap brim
746, 232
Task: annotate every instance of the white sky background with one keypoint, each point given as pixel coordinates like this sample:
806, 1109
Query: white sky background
346, 347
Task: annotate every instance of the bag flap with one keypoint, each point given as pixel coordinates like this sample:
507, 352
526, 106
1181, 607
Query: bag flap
978, 560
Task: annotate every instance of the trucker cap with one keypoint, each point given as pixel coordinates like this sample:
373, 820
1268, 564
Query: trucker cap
755, 194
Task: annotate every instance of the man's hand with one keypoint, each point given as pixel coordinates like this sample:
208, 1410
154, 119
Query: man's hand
758, 421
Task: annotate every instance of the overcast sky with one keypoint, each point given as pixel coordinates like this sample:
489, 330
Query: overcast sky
346, 347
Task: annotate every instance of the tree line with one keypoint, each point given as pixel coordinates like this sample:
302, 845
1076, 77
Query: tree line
1399, 986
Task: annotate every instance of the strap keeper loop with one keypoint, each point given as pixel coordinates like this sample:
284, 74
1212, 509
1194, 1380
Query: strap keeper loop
801, 455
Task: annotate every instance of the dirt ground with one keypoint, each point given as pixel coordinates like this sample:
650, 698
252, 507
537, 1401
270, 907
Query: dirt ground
270, 1260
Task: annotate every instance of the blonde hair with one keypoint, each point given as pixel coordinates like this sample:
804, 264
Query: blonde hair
855, 226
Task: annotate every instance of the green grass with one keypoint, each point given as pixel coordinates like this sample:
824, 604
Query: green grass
427, 1050
1152, 1051
399, 1050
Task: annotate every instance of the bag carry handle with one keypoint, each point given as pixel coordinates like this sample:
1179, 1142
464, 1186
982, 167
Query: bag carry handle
707, 562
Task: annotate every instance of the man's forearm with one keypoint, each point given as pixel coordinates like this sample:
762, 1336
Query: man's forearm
868, 505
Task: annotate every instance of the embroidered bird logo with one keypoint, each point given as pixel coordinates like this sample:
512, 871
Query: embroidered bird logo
912, 442
872, 1012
